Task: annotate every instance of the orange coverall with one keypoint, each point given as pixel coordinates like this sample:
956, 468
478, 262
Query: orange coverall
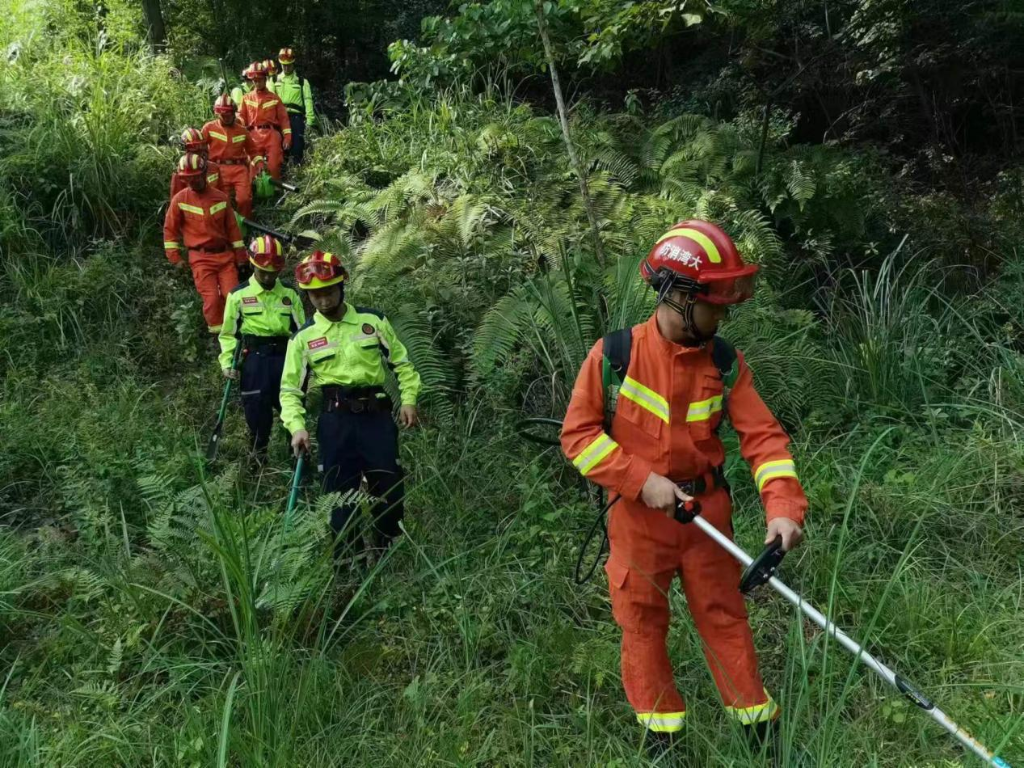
233, 150
214, 178
267, 120
669, 405
207, 224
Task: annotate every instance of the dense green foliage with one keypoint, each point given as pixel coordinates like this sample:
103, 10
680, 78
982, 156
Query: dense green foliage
158, 612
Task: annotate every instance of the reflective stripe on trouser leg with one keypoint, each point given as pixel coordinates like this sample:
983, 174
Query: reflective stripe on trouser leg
662, 722
757, 713
710, 581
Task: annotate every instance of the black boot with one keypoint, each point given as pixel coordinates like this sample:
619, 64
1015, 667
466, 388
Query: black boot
764, 740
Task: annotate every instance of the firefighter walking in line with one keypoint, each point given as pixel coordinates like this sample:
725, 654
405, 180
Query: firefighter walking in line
267, 120
234, 151
261, 313
195, 141
297, 97
662, 446
201, 216
345, 351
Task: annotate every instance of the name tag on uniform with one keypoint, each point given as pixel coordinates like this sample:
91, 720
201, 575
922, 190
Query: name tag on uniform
318, 343
250, 300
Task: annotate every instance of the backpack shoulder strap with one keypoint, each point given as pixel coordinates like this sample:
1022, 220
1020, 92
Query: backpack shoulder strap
618, 346
723, 355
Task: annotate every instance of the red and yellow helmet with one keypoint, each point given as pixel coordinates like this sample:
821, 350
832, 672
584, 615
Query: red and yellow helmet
700, 258
256, 70
191, 164
267, 253
271, 66
319, 270
286, 56
193, 140
224, 105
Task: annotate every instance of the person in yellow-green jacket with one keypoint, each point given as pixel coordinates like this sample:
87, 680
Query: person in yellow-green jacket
345, 351
260, 313
297, 97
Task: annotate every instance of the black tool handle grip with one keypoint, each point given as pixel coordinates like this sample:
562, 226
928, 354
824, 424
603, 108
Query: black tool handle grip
763, 566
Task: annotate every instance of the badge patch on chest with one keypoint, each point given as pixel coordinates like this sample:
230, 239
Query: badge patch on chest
250, 300
318, 343
368, 329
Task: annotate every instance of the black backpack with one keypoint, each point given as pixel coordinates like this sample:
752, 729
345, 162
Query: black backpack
618, 346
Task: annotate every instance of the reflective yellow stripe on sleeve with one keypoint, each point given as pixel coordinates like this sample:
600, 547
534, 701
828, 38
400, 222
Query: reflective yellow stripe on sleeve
170, 245
645, 397
286, 131
772, 470
217, 207
594, 454
760, 713
662, 722
702, 409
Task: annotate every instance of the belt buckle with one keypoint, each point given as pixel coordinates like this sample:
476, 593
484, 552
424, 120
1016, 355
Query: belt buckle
357, 406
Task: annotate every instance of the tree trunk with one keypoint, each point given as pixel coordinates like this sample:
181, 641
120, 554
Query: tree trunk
563, 119
155, 31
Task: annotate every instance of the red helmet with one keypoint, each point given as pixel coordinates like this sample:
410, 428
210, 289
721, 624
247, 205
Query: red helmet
256, 70
193, 140
267, 253
271, 66
191, 164
286, 56
224, 105
701, 258
319, 270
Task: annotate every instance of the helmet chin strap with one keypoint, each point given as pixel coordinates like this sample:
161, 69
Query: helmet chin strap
684, 310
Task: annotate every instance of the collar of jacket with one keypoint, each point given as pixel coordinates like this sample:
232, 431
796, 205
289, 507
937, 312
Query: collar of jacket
665, 346
258, 288
323, 322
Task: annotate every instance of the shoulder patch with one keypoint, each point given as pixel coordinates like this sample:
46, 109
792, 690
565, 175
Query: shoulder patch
370, 311
286, 300
369, 329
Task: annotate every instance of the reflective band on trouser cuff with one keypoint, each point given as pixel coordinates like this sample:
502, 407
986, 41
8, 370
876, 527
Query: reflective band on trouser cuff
771, 470
702, 409
661, 722
191, 208
170, 246
217, 208
647, 399
594, 454
760, 713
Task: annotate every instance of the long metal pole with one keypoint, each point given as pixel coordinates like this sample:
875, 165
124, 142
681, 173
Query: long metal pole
904, 687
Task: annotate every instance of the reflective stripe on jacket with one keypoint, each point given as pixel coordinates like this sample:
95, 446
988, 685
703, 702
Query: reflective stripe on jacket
202, 220
296, 95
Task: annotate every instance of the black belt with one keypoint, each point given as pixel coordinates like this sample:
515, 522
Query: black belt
269, 343
211, 250
232, 162
704, 483
354, 399
265, 125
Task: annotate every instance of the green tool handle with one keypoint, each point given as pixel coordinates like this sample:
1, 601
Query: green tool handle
296, 479
227, 387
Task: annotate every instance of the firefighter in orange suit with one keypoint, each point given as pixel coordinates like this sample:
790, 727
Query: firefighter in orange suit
663, 441
267, 120
233, 149
202, 217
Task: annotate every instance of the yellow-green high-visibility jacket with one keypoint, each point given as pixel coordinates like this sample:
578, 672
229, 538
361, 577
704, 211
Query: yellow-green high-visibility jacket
252, 310
296, 95
238, 92
351, 352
